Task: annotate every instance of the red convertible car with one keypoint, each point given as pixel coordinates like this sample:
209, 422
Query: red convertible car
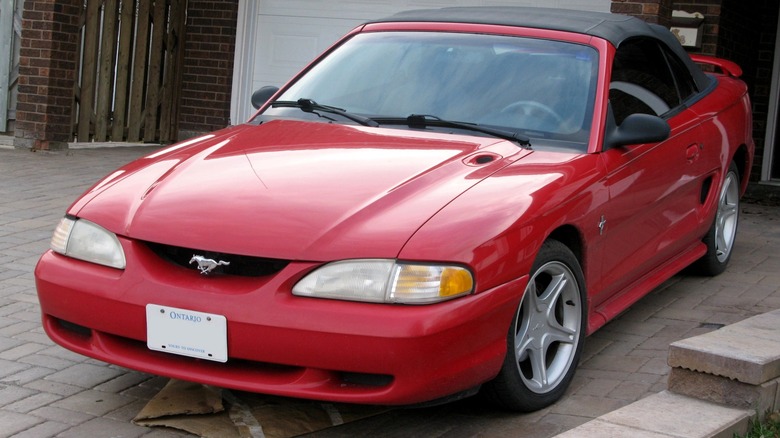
445, 200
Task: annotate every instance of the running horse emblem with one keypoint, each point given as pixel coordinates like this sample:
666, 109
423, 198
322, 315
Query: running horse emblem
207, 265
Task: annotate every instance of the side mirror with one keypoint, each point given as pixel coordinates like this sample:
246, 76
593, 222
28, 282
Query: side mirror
636, 129
261, 96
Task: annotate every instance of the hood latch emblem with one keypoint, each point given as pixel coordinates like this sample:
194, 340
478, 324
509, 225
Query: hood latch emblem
207, 265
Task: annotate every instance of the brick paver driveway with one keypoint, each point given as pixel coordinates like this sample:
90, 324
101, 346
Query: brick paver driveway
48, 391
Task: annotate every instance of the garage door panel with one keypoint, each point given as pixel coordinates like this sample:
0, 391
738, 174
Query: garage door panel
350, 9
287, 46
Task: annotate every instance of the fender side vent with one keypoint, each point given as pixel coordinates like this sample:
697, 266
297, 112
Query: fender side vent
706, 187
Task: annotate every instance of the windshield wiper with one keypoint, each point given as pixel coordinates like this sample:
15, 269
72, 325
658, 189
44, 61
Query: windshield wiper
421, 121
310, 106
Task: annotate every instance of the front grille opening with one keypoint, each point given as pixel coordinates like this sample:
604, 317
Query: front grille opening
75, 328
240, 265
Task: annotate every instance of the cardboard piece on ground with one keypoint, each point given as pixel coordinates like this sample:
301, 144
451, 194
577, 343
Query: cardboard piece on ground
280, 417
199, 409
205, 425
182, 398
188, 406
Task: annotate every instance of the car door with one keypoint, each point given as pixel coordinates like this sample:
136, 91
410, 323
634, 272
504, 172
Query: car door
654, 189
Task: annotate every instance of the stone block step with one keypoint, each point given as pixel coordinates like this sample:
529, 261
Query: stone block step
747, 351
665, 415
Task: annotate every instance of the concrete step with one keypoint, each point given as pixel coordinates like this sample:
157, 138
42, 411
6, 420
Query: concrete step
666, 415
717, 383
747, 351
738, 365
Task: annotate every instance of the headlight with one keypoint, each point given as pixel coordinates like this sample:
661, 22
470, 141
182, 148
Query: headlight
386, 281
87, 241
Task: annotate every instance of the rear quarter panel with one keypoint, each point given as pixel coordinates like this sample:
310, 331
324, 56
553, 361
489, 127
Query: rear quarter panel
727, 124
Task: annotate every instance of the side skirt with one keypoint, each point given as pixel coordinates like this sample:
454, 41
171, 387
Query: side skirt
635, 291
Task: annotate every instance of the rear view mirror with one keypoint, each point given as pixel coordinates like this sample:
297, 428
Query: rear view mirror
637, 129
261, 96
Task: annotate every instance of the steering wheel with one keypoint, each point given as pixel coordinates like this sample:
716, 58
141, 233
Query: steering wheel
533, 109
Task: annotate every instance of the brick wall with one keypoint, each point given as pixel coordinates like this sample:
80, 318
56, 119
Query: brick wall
743, 32
652, 11
208, 66
47, 73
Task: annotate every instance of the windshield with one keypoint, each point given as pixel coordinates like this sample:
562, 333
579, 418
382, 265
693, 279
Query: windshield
541, 88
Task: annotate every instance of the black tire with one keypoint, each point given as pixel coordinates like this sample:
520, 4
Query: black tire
545, 338
722, 234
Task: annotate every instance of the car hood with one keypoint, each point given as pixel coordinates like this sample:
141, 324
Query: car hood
293, 190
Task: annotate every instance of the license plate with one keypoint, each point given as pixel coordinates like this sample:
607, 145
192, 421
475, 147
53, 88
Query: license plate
186, 332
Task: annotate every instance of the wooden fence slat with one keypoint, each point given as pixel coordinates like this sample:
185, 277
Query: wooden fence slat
74, 114
172, 50
126, 25
136, 115
89, 64
175, 84
159, 28
106, 70
129, 78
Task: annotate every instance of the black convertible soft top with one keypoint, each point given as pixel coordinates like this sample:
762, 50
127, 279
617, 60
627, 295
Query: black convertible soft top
614, 28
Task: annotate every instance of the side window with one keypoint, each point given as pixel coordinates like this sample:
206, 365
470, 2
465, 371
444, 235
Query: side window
685, 84
641, 80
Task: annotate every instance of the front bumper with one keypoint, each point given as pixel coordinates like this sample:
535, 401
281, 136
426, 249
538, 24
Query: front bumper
278, 343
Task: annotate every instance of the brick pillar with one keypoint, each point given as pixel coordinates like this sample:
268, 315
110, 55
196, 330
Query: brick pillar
47, 73
652, 11
208, 66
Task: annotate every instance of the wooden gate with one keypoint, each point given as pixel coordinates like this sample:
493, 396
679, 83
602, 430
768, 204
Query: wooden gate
129, 80
10, 36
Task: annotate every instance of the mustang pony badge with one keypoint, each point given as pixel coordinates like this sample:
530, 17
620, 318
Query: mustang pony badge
207, 265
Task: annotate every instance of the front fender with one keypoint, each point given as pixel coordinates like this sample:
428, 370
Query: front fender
497, 227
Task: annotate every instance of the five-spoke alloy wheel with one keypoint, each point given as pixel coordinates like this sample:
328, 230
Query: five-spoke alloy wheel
723, 232
545, 340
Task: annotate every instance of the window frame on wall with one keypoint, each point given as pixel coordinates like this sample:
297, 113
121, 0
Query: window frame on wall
772, 123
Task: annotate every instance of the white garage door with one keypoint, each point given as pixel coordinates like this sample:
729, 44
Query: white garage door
276, 38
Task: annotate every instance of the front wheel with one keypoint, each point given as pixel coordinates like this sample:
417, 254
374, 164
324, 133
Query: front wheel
545, 339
